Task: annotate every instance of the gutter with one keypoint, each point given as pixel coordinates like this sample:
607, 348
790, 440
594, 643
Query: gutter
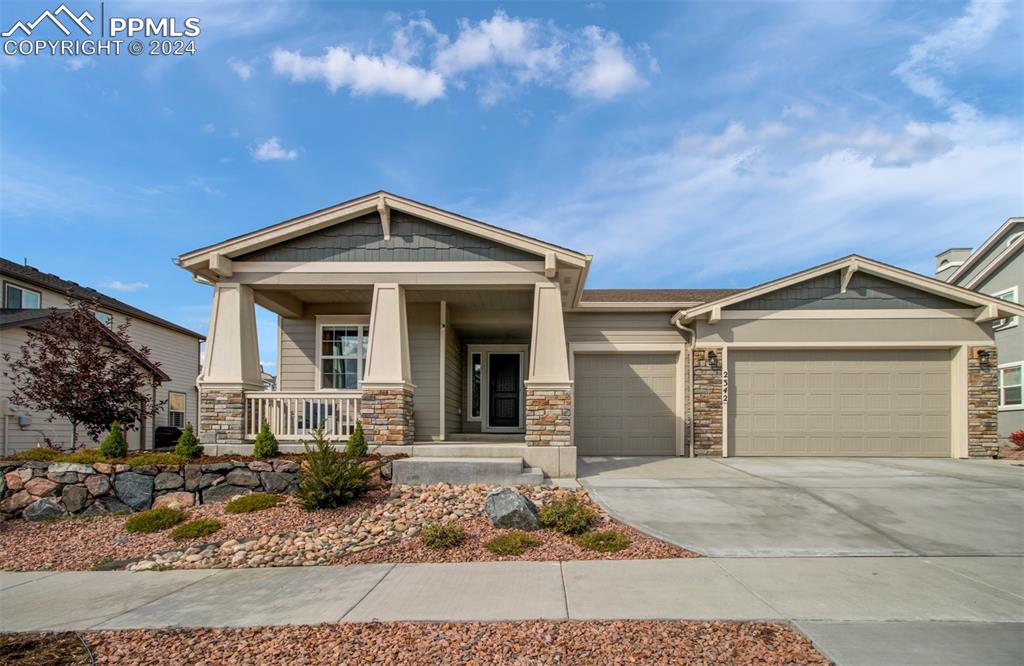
677, 322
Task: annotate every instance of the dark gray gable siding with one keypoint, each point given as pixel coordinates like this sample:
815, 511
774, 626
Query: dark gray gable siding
412, 239
865, 292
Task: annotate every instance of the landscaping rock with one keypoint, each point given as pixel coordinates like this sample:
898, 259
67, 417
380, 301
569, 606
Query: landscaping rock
25, 474
223, 493
285, 465
74, 498
276, 482
97, 485
65, 477
148, 470
207, 480
63, 468
105, 505
260, 466
218, 467
103, 468
135, 490
193, 474
41, 487
43, 509
168, 481
16, 502
14, 481
243, 477
510, 510
178, 500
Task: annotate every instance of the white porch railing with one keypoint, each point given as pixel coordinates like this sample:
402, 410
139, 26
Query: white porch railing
294, 415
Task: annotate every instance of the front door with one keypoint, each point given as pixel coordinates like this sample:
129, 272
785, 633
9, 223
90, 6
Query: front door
504, 387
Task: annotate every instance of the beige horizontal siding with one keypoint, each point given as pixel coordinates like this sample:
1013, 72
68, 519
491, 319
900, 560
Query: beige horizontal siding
425, 355
454, 380
296, 365
620, 327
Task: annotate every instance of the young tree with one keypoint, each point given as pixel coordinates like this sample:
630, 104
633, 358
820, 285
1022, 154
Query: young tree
76, 368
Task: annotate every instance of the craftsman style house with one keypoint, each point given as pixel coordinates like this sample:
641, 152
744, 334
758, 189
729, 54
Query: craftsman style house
454, 338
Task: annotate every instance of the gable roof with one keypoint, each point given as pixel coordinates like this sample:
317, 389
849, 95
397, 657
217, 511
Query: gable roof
38, 278
992, 241
991, 308
384, 202
693, 296
1008, 253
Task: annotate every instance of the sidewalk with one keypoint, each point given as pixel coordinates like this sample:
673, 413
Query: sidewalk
813, 593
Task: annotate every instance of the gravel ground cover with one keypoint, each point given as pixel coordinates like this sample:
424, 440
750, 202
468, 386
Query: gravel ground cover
81, 543
46, 649
386, 532
533, 642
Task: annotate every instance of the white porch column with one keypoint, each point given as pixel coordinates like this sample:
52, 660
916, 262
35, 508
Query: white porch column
231, 367
386, 408
548, 388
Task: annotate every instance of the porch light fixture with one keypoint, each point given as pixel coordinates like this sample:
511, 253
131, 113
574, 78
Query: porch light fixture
713, 359
983, 356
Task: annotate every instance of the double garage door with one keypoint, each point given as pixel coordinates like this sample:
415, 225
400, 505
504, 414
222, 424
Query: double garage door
839, 403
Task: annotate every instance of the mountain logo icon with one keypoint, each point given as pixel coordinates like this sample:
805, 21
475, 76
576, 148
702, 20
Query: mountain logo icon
53, 16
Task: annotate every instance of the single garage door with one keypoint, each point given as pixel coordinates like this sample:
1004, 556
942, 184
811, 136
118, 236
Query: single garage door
839, 403
625, 404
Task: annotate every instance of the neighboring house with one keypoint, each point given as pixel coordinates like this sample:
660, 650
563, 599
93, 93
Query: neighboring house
437, 329
997, 269
269, 381
30, 295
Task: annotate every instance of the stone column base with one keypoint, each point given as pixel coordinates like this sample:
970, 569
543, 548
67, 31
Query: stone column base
707, 402
982, 402
548, 415
387, 415
221, 416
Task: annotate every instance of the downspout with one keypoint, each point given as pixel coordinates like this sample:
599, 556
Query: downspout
677, 320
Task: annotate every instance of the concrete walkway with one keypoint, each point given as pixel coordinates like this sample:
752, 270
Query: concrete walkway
853, 608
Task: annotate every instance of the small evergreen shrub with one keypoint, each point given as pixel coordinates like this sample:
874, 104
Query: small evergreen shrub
331, 478
195, 529
253, 502
188, 445
154, 520
114, 445
357, 442
608, 541
512, 543
155, 458
442, 536
38, 454
265, 445
568, 516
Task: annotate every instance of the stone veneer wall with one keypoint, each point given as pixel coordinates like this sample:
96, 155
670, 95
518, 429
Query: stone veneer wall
982, 403
387, 416
46, 490
221, 416
707, 403
548, 416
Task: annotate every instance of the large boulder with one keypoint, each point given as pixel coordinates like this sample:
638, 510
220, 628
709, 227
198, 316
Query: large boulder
178, 500
277, 482
223, 493
135, 490
64, 468
210, 479
62, 477
168, 481
510, 510
105, 505
282, 465
74, 498
43, 509
97, 484
16, 502
41, 487
193, 474
243, 477
14, 481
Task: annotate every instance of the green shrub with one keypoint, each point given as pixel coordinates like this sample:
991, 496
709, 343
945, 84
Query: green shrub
114, 445
195, 529
265, 445
331, 478
357, 442
154, 458
84, 456
512, 543
253, 502
38, 454
568, 516
154, 520
188, 445
442, 536
603, 542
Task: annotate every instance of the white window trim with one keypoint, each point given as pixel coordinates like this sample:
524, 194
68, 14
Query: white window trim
1010, 322
184, 412
485, 352
999, 388
23, 289
336, 320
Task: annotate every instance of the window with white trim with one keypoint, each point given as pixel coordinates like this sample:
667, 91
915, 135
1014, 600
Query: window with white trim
475, 371
175, 409
342, 355
1010, 385
17, 297
1011, 295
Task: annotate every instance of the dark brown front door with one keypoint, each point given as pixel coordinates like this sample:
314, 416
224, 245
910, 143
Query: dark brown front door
504, 391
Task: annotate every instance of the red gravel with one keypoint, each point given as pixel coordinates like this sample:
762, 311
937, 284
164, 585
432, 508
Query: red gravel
81, 543
533, 642
553, 546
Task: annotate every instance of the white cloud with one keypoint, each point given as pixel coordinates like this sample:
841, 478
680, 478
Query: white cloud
271, 149
243, 69
363, 74
918, 142
77, 63
117, 285
605, 70
801, 111
209, 128
499, 40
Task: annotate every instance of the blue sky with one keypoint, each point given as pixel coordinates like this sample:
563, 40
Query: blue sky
683, 145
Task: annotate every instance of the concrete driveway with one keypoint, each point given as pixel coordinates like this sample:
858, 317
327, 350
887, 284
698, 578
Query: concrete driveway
786, 507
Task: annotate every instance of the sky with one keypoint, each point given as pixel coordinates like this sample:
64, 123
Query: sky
708, 144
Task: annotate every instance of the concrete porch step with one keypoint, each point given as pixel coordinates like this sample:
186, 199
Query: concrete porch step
417, 471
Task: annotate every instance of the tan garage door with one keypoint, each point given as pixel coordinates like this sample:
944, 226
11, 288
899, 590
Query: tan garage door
839, 403
625, 404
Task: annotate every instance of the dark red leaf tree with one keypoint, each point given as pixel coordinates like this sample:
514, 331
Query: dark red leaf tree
77, 368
